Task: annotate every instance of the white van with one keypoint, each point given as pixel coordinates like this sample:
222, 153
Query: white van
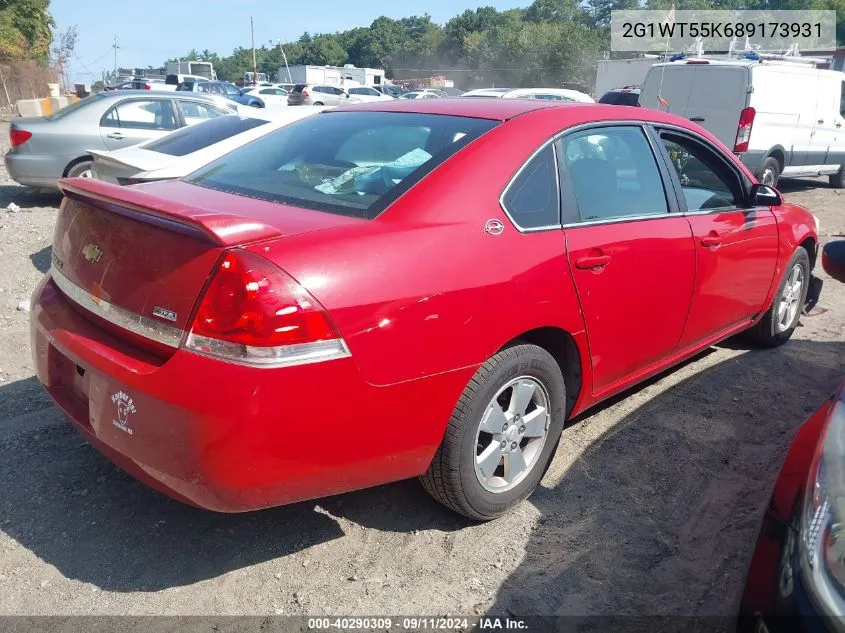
783, 119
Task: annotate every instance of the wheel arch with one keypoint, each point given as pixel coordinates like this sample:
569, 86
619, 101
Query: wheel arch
810, 245
778, 152
75, 162
564, 349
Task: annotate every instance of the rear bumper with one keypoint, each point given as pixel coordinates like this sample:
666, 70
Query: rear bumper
232, 438
34, 170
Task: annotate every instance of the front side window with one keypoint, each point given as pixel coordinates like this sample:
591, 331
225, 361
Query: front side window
141, 115
350, 163
612, 173
708, 184
532, 199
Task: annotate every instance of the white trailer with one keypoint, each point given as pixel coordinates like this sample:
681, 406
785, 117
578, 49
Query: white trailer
332, 75
199, 69
618, 73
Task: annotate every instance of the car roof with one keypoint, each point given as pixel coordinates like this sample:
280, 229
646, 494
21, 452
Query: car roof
569, 113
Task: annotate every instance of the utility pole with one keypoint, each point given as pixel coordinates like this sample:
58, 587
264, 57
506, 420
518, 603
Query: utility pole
115, 47
254, 65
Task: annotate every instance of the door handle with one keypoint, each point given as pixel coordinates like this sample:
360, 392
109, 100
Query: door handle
697, 119
711, 240
592, 262
115, 135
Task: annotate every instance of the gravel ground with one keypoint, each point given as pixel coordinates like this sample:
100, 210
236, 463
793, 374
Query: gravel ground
651, 505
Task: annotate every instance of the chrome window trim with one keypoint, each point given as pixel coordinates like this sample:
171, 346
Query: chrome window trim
622, 219
135, 323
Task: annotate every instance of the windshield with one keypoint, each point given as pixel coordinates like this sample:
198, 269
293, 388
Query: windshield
350, 163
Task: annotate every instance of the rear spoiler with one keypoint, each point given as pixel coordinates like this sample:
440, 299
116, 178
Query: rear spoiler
221, 229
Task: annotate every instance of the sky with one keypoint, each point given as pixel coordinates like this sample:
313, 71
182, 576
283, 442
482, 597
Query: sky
151, 31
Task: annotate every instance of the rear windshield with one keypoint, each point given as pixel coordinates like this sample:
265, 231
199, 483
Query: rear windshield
299, 87
196, 137
350, 163
620, 98
73, 107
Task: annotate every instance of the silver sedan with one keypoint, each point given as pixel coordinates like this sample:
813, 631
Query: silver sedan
45, 149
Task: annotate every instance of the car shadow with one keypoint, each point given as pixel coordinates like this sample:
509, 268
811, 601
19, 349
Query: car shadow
794, 185
659, 515
76, 511
41, 259
27, 197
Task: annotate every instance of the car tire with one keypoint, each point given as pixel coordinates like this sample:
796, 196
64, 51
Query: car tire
318, 103
456, 476
837, 180
781, 319
81, 169
770, 170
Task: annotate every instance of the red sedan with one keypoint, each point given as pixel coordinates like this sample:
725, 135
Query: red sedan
399, 289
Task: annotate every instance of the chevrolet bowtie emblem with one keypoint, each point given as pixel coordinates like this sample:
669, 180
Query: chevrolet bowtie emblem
92, 253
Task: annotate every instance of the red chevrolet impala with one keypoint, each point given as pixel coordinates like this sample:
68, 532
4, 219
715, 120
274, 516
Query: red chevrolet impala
412, 288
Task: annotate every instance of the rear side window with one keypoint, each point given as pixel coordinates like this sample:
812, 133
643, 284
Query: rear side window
613, 173
140, 114
194, 138
350, 163
196, 112
532, 199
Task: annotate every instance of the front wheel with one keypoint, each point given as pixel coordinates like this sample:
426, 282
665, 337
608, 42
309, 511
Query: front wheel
501, 436
781, 319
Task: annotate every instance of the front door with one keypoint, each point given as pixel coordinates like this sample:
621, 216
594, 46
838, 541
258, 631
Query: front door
736, 246
134, 121
631, 257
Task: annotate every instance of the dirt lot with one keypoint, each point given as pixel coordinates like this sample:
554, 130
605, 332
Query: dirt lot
650, 507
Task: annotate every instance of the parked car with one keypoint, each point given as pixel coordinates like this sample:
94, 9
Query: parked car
549, 94
452, 92
285, 86
223, 89
486, 93
308, 267
365, 94
319, 94
796, 579
44, 149
783, 119
622, 96
421, 94
189, 148
390, 90
272, 97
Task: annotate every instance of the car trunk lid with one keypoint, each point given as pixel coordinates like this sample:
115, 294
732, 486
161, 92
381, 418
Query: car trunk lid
138, 258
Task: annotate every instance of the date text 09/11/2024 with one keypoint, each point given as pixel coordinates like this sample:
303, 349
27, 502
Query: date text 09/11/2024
415, 624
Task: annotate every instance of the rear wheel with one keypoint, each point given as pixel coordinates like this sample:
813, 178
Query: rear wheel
318, 103
770, 172
781, 319
501, 436
838, 179
81, 170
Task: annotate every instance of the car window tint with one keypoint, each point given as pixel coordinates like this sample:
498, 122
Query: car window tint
141, 115
350, 163
613, 173
196, 137
532, 199
707, 183
842, 100
195, 112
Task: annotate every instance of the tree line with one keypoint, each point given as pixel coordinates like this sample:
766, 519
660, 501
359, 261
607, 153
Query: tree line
548, 42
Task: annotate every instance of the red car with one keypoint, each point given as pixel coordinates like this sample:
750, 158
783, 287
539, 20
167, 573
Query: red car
399, 289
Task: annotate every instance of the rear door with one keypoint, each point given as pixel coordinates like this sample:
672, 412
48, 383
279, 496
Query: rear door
630, 252
133, 121
718, 96
736, 245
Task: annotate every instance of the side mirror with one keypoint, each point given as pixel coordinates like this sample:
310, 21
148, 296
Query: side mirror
765, 196
833, 259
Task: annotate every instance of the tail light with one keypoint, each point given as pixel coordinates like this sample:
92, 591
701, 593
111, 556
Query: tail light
19, 137
254, 313
743, 131
147, 87
305, 93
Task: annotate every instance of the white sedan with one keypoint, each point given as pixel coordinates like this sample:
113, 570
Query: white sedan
274, 98
365, 94
184, 151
